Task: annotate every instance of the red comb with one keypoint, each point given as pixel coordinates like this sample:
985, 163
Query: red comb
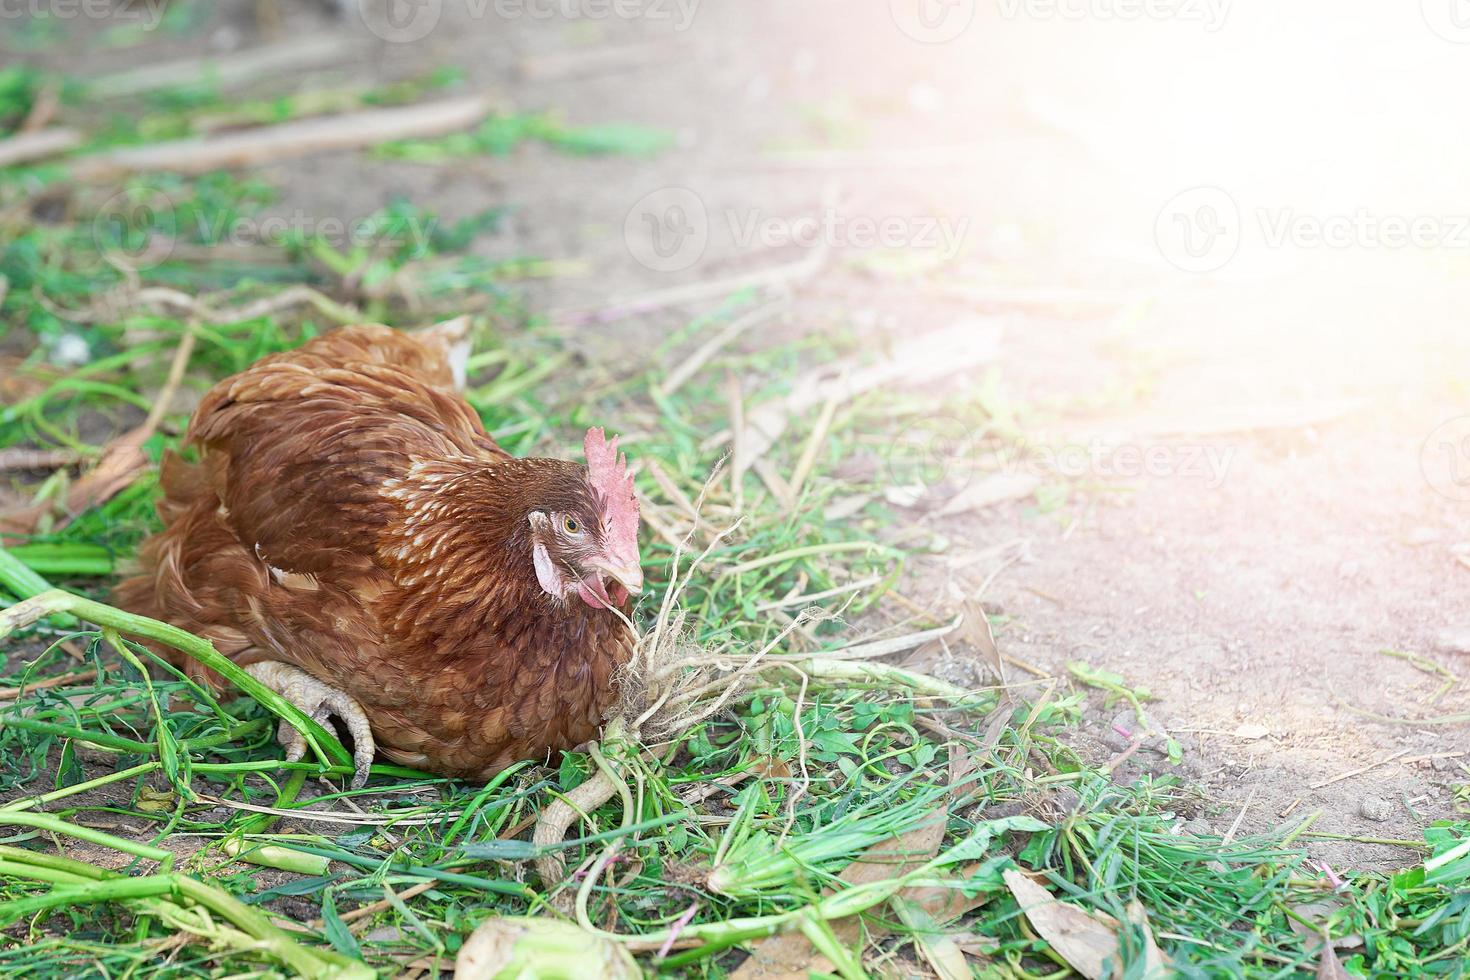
608, 474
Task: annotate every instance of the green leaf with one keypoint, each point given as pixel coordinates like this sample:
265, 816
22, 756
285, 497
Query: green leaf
342, 940
973, 848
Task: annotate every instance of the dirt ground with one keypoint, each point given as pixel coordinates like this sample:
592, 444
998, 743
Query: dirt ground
1256, 598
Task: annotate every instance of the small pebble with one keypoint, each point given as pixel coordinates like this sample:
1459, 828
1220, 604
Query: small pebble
1199, 828
1375, 808
70, 350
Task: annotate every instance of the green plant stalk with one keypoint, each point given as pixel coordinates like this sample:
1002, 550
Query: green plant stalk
839, 905
819, 933
328, 750
406, 868
269, 939
63, 559
55, 825
117, 743
274, 855
277, 856
462, 821
23, 582
29, 802
168, 748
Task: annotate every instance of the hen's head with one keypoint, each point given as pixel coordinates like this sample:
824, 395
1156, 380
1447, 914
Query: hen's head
584, 540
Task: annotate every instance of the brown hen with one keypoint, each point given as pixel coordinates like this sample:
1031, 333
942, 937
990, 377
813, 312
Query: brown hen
353, 537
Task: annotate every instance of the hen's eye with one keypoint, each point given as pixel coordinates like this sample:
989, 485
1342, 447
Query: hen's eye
571, 525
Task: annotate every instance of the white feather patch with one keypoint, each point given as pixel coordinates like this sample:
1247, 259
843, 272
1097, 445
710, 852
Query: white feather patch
546, 570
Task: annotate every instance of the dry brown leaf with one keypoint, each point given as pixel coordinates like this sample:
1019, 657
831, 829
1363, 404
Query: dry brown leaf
978, 632
947, 959
1087, 941
1329, 967
991, 490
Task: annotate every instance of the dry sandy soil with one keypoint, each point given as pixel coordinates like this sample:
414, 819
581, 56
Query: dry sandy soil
1255, 600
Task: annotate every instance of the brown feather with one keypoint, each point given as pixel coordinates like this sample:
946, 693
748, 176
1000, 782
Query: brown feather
350, 515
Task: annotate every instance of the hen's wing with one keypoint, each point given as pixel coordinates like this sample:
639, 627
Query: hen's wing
309, 439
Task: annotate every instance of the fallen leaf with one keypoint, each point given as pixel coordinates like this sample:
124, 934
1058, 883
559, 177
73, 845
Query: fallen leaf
904, 496
943, 954
1086, 940
1329, 967
977, 631
841, 508
1250, 732
991, 490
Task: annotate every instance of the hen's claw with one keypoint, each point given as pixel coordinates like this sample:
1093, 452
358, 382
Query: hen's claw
320, 702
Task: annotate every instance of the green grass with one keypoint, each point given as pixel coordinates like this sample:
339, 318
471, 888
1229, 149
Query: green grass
151, 828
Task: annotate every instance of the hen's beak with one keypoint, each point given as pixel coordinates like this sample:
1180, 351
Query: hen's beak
629, 575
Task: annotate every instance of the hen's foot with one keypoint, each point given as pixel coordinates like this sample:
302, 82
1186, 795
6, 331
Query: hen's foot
319, 702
